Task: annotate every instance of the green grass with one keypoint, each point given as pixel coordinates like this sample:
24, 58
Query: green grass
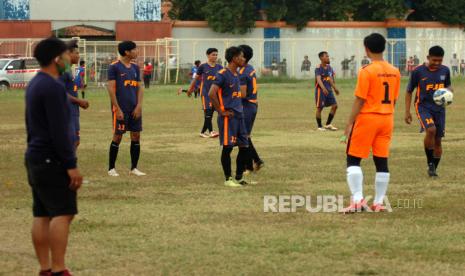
181, 220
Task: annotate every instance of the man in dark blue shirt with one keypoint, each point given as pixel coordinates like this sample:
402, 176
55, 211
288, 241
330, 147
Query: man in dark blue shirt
72, 91
126, 93
426, 79
226, 97
50, 157
249, 88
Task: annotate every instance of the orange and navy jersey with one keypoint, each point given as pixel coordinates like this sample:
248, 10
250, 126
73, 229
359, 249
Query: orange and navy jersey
326, 74
229, 93
127, 84
248, 77
208, 75
378, 84
426, 82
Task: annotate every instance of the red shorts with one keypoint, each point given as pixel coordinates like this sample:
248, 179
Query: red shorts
371, 132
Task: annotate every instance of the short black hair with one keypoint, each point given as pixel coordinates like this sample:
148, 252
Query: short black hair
248, 52
375, 42
321, 54
231, 53
72, 45
126, 46
82, 62
211, 50
197, 62
48, 49
436, 51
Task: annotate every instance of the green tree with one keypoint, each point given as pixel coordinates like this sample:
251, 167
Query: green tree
452, 12
275, 9
299, 12
187, 10
236, 17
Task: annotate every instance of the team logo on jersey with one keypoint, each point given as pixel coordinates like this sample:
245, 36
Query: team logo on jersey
443, 77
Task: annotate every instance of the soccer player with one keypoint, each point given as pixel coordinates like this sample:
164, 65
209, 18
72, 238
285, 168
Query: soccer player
126, 94
71, 88
51, 161
207, 74
426, 79
324, 95
249, 91
79, 78
226, 97
371, 123
194, 74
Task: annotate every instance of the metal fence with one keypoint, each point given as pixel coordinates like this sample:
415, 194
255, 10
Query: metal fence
172, 59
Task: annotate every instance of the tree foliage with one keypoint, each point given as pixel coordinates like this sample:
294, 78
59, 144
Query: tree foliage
236, 17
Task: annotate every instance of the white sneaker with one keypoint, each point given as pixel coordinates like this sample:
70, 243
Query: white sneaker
203, 135
321, 129
112, 172
136, 172
331, 127
214, 134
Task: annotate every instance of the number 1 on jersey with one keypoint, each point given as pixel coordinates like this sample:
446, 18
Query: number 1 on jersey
386, 94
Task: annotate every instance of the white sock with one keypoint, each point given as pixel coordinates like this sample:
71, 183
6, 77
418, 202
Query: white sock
381, 184
355, 181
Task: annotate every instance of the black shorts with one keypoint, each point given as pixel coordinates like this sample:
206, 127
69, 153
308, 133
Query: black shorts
127, 124
51, 195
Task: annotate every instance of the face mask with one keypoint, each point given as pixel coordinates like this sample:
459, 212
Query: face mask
65, 68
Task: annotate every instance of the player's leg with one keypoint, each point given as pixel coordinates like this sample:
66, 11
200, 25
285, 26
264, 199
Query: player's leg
135, 127
58, 235
227, 147
243, 157
428, 125
440, 122
205, 123
40, 240
119, 128
209, 118
331, 101
319, 101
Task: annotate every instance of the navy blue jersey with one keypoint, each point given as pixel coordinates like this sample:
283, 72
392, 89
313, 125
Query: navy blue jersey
326, 75
426, 82
127, 84
79, 76
248, 77
208, 74
48, 121
68, 82
229, 94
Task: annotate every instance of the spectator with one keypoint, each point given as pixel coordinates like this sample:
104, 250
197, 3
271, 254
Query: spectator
194, 76
148, 71
274, 67
173, 66
365, 61
283, 67
410, 65
353, 67
462, 67
416, 61
305, 68
454, 63
345, 67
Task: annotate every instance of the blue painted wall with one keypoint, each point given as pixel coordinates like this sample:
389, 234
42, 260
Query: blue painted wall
14, 9
147, 10
272, 48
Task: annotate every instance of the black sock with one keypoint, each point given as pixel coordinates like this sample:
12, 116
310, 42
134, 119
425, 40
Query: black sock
318, 121
226, 161
58, 273
330, 118
241, 162
253, 152
205, 125
135, 153
114, 147
209, 124
83, 94
436, 161
429, 155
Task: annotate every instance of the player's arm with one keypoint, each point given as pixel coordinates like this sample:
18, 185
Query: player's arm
111, 87
412, 85
356, 108
333, 85
447, 82
213, 95
137, 113
192, 85
321, 85
81, 102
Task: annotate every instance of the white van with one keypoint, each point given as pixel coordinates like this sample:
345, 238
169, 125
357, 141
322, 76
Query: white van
17, 72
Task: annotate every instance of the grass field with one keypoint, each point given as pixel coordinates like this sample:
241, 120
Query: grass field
181, 220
